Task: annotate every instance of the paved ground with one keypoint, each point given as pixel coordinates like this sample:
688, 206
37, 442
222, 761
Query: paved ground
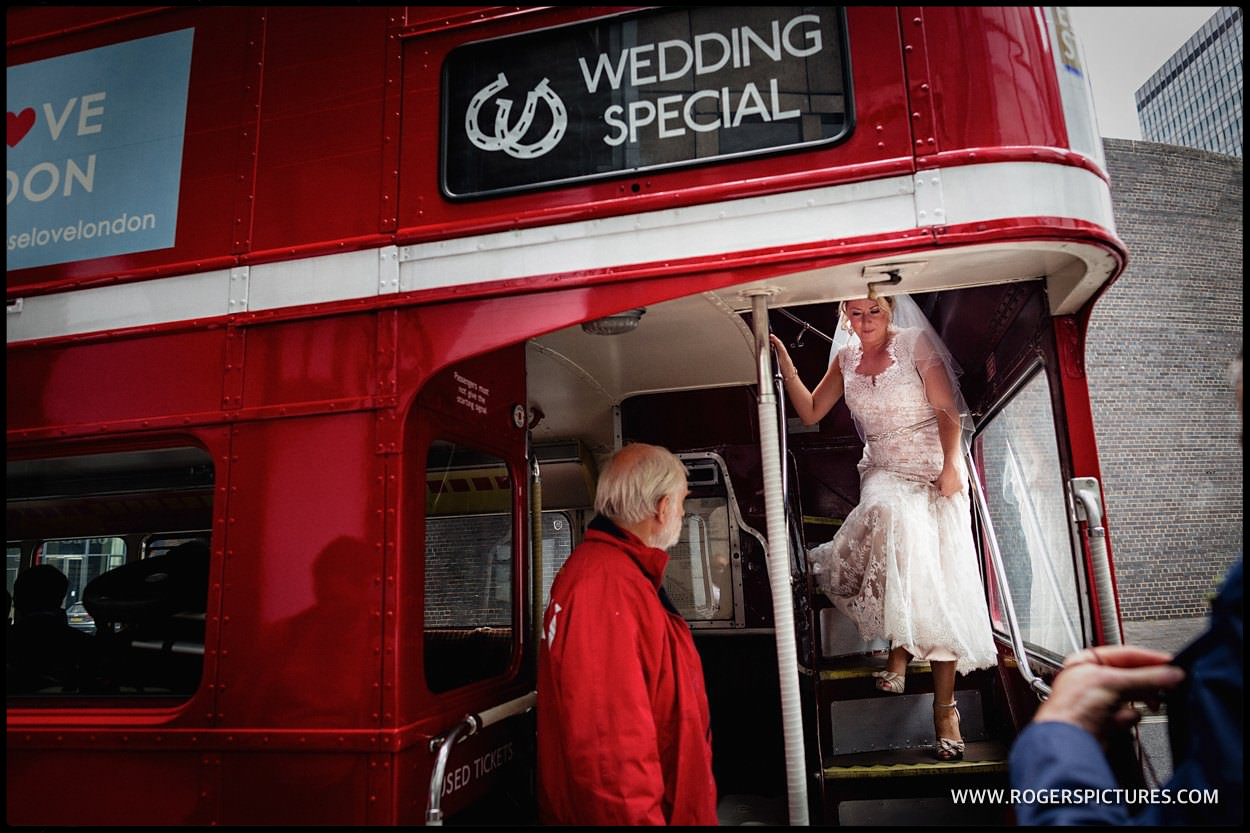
1165, 635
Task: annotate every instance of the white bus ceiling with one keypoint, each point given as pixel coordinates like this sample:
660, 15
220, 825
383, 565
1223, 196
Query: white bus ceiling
575, 378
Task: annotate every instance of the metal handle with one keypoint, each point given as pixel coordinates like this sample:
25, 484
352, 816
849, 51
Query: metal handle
469, 726
1088, 502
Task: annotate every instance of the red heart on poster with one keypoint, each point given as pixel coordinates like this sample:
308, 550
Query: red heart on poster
20, 124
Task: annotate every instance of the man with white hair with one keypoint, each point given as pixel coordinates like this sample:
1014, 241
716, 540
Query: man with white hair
624, 734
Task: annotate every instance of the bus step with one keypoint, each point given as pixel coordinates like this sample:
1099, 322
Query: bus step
980, 757
897, 783
752, 811
852, 677
935, 811
897, 722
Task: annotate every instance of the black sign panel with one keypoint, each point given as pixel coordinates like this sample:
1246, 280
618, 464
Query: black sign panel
641, 92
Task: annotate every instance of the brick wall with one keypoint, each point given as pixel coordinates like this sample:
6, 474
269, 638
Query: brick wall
1159, 346
468, 571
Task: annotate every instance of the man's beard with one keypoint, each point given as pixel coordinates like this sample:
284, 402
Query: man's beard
671, 533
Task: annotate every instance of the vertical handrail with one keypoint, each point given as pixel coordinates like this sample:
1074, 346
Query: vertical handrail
536, 551
779, 570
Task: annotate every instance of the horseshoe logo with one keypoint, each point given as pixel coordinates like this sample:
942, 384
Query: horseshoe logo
508, 139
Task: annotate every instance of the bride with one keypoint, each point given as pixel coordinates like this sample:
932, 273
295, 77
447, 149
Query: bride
903, 565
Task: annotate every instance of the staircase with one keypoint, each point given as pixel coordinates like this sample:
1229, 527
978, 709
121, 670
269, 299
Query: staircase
877, 749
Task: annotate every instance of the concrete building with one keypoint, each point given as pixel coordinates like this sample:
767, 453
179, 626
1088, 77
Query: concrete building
1195, 99
1159, 346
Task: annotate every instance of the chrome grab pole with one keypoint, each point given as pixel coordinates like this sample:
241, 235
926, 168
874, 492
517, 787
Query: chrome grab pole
1089, 503
469, 726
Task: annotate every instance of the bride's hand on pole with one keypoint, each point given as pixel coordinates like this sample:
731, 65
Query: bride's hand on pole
784, 362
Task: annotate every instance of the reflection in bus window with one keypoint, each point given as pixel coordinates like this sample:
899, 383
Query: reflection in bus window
557, 546
163, 544
698, 575
81, 560
1025, 494
469, 567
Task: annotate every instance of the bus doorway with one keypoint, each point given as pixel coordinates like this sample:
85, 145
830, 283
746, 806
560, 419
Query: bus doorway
597, 391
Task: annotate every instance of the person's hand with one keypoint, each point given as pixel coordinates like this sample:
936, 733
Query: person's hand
1095, 687
949, 482
783, 356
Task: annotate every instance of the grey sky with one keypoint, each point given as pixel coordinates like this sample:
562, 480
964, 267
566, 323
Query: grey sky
1124, 46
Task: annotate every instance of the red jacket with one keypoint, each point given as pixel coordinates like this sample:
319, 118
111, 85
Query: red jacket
624, 735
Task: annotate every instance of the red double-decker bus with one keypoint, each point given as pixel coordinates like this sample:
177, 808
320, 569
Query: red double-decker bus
320, 321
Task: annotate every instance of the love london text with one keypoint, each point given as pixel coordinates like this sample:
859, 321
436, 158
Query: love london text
705, 110
43, 180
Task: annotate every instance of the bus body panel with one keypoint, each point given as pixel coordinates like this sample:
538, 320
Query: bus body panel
160, 787
303, 598
116, 381
961, 76
311, 362
322, 152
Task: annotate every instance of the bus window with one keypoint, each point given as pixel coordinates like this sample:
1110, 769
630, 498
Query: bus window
698, 575
140, 620
13, 561
557, 546
469, 574
1024, 488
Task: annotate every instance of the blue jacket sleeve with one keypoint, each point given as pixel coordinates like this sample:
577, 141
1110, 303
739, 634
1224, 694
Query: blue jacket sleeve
1054, 766
1207, 727
1207, 720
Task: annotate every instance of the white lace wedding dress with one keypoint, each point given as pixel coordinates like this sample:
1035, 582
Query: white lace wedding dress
903, 565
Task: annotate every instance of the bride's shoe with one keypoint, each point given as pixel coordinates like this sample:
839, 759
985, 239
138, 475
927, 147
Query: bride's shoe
889, 682
948, 750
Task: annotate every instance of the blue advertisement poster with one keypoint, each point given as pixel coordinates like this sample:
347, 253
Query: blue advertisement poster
95, 151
